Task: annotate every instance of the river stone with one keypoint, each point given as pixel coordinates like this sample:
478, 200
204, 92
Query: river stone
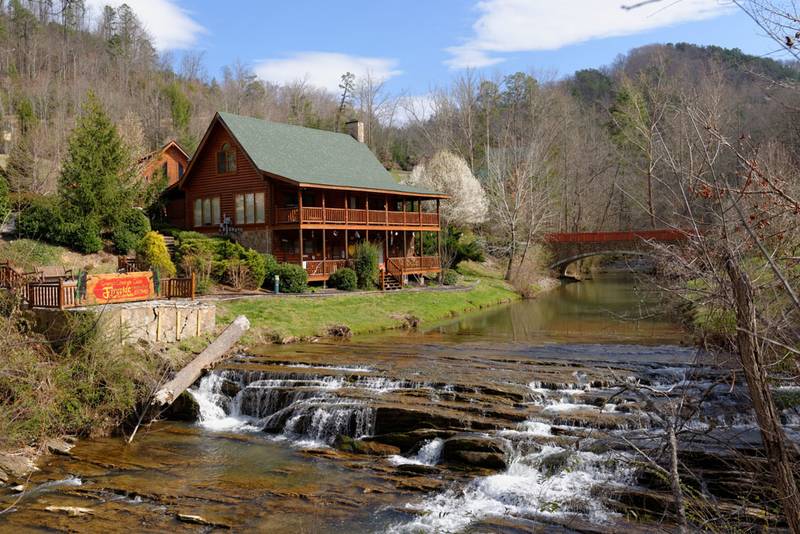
17, 465
59, 446
418, 469
185, 408
230, 388
474, 451
411, 441
482, 460
554, 463
72, 511
348, 444
389, 420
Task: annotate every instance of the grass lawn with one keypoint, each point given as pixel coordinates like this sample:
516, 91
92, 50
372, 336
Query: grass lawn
277, 318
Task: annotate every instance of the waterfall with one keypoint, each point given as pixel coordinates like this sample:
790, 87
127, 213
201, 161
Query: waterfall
303, 409
428, 454
542, 480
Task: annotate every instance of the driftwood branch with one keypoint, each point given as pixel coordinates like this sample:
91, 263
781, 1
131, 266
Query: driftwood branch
213, 354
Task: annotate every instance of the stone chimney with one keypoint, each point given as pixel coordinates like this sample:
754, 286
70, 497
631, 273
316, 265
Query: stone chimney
356, 130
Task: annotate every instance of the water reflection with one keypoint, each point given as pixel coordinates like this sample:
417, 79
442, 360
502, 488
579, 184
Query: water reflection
612, 308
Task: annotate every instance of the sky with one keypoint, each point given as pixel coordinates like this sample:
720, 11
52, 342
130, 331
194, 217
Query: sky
416, 45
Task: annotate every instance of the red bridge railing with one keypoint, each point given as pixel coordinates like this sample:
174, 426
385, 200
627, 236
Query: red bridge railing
605, 237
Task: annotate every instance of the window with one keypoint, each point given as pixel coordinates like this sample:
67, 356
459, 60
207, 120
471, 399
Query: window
165, 170
206, 211
250, 208
180, 170
226, 159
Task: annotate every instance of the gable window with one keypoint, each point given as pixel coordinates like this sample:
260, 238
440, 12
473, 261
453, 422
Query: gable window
206, 211
250, 208
165, 170
226, 159
180, 170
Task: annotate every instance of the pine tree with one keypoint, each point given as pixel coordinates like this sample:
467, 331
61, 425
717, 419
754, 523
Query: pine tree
94, 181
21, 168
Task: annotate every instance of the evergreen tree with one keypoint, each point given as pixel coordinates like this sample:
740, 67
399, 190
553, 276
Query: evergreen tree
21, 166
94, 181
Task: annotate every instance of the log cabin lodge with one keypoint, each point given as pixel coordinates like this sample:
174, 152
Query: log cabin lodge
307, 197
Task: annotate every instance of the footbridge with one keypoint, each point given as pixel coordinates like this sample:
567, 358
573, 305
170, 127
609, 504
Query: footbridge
573, 246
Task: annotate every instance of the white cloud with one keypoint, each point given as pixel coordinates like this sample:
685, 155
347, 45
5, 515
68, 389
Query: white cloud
323, 69
527, 25
170, 26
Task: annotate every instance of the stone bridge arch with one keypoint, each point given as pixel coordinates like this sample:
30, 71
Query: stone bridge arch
566, 248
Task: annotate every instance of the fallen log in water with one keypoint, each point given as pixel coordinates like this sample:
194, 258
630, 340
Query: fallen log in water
211, 355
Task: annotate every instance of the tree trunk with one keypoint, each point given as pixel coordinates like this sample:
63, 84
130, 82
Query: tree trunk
213, 353
772, 433
675, 481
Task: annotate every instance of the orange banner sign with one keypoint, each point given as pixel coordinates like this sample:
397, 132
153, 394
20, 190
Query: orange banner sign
129, 287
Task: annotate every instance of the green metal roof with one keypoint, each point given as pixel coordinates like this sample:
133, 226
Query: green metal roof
314, 157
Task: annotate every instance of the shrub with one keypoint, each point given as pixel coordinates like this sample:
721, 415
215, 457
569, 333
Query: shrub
237, 275
257, 266
83, 236
344, 279
153, 252
293, 278
41, 219
449, 277
124, 241
136, 222
365, 261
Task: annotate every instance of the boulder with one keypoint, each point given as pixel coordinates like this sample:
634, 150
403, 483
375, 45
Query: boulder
553, 463
372, 448
339, 330
394, 419
185, 408
17, 465
59, 446
230, 388
481, 460
474, 451
410, 441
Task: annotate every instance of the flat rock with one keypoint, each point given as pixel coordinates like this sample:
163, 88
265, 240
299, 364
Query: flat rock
348, 444
200, 520
72, 511
59, 446
17, 464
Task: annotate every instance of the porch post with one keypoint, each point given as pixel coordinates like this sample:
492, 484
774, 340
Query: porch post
346, 246
299, 206
300, 221
301, 245
324, 251
439, 239
366, 205
324, 215
346, 207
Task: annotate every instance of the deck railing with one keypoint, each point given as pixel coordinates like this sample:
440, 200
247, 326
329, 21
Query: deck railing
324, 267
181, 288
58, 294
355, 216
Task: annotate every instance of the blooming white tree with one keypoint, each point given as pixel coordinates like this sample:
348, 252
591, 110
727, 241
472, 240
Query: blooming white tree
447, 173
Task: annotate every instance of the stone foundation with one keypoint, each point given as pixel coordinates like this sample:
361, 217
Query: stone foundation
260, 240
153, 321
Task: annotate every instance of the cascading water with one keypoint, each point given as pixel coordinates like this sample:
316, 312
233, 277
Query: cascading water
540, 482
303, 409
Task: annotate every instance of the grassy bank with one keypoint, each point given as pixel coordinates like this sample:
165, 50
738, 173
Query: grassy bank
276, 318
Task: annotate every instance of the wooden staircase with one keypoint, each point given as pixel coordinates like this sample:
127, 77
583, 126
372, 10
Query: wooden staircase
390, 283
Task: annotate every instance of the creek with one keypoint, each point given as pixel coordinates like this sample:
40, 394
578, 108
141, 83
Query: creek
512, 419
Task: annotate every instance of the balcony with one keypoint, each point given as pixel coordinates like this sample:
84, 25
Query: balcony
356, 217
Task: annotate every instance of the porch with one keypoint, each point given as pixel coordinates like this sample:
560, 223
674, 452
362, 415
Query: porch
400, 253
315, 208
